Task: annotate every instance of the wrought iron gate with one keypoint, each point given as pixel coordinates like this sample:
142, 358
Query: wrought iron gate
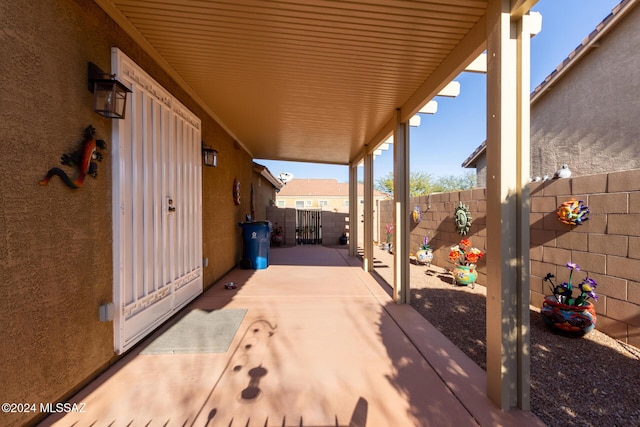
308, 227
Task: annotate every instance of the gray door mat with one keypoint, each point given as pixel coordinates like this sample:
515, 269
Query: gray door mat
199, 331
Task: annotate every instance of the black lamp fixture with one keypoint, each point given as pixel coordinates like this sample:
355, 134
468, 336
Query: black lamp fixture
209, 155
109, 95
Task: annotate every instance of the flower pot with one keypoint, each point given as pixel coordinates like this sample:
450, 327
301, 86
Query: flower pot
343, 240
424, 256
465, 274
568, 320
276, 240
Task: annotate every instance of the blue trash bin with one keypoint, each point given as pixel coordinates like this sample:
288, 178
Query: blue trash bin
256, 238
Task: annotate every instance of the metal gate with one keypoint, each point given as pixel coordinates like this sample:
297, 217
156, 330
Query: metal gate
308, 227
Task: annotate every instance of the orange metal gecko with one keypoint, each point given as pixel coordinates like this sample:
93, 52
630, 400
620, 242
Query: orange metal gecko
82, 158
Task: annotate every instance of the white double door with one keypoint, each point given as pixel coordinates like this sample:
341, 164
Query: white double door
157, 207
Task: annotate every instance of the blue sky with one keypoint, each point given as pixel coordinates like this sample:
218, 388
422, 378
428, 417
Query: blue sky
565, 23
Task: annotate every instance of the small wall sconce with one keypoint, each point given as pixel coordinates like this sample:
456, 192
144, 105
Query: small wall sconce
109, 95
209, 155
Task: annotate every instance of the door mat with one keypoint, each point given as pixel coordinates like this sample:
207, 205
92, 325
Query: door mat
199, 331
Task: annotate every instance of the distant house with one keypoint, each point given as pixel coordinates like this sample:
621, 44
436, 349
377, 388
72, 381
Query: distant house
325, 194
585, 113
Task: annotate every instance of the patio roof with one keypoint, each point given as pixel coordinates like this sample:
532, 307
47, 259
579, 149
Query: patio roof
311, 80
328, 81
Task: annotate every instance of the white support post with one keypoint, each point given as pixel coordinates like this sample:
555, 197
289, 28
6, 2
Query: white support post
367, 240
507, 312
353, 209
401, 284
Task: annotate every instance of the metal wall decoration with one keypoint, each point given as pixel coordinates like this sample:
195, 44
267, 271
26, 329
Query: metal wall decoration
83, 159
416, 214
462, 218
236, 191
573, 212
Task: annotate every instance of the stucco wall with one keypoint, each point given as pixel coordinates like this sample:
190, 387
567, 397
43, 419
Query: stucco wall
264, 195
589, 118
606, 247
56, 246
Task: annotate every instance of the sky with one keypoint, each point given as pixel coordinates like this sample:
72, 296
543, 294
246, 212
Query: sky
565, 23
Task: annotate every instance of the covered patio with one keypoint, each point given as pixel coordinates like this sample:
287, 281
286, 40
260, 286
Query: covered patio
322, 344
331, 82
324, 81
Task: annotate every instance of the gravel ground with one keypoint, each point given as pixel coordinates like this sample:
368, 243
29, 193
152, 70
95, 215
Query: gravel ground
589, 381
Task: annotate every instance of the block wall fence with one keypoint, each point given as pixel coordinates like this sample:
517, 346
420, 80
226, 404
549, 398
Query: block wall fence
333, 224
606, 247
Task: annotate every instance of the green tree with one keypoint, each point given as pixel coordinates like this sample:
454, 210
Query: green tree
422, 183
465, 181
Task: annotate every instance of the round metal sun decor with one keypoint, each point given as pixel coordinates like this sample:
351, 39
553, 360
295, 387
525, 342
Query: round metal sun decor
462, 217
416, 214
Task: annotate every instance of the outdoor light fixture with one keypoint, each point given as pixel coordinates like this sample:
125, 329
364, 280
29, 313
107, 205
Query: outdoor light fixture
109, 95
209, 155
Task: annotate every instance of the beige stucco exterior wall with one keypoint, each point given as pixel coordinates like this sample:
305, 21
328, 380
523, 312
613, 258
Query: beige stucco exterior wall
589, 118
334, 203
56, 245
264, 196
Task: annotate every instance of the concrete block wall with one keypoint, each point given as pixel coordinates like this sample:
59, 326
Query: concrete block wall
385, 216
606, 247
438, 224
333, 224
285, 218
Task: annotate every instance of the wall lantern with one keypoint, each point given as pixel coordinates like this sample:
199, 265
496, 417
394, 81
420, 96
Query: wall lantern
209, 155
109, 95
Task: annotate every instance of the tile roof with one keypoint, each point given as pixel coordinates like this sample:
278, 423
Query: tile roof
320, 187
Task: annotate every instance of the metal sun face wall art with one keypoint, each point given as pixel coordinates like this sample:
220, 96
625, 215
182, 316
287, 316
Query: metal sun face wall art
416, 214
573, 212
462, 218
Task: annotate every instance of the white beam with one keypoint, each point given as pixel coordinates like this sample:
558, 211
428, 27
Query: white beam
415, 121
479, 65
451, 90
430, 108
535, 23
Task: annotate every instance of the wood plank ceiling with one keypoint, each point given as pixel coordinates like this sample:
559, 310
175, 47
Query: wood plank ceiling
305, 80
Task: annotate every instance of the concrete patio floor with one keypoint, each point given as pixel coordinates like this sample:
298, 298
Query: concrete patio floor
321, 344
